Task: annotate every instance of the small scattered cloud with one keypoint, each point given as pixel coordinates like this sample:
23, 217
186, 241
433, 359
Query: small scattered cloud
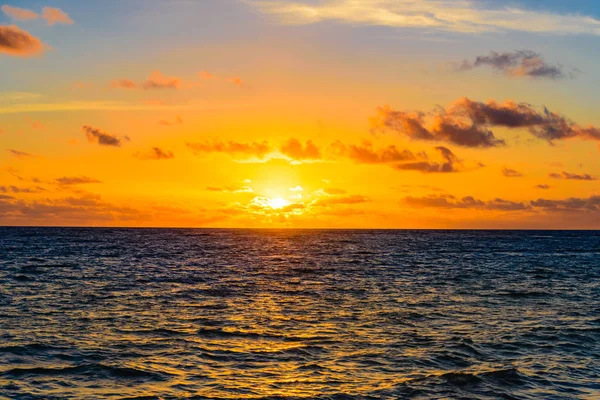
340, 200
467, 202
123, 84
231, 189
295, 150
51, 15
19, 154
177, 121
156, 153
19, 14
206, 75
76, 180
543, 187
156, 80
94, 135
54, 16
334, 191
365, 154
252, 149
236, 81
574, 177
522, 63
451, 163
17, 189
511, 173
17, 42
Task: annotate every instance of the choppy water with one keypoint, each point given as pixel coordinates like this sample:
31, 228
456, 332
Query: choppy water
126, 313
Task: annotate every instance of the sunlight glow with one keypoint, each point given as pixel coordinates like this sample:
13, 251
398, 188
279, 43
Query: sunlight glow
278, 203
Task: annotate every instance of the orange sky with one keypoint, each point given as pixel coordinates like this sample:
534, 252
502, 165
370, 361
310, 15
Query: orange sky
264, 114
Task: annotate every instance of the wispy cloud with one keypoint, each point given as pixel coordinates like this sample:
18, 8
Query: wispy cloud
55, 16
511, 173
465, 16
522, 63
156, 153
95, 135
573, 177
19, 14
51, 15
18, 153
75, 180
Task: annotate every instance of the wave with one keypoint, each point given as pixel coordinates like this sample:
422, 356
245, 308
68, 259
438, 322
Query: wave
90, 370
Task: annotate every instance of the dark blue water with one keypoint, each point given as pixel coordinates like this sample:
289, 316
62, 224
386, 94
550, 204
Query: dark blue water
235, 314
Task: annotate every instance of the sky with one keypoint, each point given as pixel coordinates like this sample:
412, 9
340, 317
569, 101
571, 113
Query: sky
424, 114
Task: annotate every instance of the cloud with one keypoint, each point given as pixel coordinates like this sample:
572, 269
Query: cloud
155, 153
343, 200
94, 135
294, 149
16, 189
572, 204
334, 191
123, 84
18, 153
511, 173
449, 201
76, 180
522, 63
19, 14
543, 187
253, 149
451, 164
574, 177
85, 209
365, 154
51, 15
464, 16
178, 121
230, 189
206, 75
468, 123
55, 16
237, 81
17, 42
156, 80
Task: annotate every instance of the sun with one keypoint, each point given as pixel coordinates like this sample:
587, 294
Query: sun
277, 203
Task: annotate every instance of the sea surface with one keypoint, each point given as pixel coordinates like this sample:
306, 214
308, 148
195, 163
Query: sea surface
298, 314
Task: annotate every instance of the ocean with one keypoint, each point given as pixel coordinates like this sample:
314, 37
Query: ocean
298, 314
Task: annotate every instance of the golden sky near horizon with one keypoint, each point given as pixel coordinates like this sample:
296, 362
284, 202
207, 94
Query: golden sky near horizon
330, 114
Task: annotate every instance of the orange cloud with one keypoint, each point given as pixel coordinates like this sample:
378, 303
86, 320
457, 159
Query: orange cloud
156, 80
19, 14
178, 121
55, 16
76, 180
206, 75
17, 42
365, 154
451, 163
123, 84
156, 153
256, 149
294, 149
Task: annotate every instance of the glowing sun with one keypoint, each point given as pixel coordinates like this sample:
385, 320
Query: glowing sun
278, 203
